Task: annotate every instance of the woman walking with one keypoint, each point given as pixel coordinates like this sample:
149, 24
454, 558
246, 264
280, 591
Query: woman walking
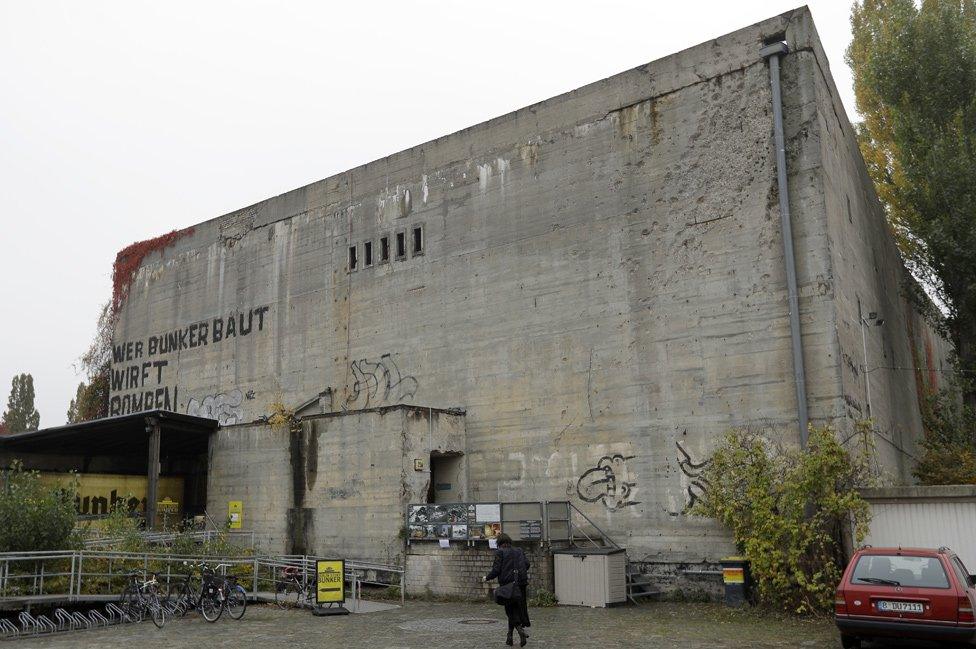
511, 568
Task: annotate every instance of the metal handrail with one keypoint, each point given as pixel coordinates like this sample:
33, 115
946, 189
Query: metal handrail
604, 536
100, 569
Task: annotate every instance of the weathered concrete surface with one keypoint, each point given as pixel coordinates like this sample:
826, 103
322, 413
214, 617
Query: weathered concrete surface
338, 484
457, 571
601, 288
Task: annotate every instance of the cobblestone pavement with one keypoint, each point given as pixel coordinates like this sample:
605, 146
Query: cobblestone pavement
428, 625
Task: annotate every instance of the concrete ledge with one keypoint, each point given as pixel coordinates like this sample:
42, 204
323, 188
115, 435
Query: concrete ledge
919, 492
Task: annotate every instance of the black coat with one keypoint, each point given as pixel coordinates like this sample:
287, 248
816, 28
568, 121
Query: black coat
510, 565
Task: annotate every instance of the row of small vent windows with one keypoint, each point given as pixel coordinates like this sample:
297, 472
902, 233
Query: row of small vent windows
400, 243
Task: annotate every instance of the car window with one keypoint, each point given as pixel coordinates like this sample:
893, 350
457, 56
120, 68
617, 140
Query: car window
961, 571
894, 570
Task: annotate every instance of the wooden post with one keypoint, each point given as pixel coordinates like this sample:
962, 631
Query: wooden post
152, 471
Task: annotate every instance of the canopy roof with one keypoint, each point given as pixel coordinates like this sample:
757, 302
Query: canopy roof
122, 435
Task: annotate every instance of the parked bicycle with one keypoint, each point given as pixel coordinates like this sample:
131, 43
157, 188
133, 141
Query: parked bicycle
293, 590
210, 595
141, 597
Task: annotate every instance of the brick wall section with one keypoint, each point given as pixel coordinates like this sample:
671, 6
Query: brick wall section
457, 571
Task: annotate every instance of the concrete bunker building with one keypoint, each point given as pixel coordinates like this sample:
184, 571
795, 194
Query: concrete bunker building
573, 301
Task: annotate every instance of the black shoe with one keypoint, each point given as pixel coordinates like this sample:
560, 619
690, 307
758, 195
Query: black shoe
508, 640
523, 636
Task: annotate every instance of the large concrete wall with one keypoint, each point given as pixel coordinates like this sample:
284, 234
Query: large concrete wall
601, 289
335, 484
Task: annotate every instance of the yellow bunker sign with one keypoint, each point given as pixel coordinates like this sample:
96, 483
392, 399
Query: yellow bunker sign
330, 585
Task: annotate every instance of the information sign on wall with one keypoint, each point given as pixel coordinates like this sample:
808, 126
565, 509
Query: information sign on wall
235, 514
330, 583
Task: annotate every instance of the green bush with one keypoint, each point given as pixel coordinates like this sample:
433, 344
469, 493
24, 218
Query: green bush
543, 599
35, 516
788, 510
949, 446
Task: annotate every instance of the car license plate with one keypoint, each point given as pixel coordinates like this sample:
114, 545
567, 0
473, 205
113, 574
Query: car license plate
899, 607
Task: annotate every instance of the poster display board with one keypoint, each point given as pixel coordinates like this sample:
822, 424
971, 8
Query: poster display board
330, 585
454, 521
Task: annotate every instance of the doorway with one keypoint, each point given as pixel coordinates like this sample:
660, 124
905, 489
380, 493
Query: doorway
446, 478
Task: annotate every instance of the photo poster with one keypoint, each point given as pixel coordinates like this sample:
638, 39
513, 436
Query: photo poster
438, 513
418, 514
459, 532
423, 532
457, 514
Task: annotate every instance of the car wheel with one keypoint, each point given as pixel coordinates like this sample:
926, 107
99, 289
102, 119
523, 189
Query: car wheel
850, 642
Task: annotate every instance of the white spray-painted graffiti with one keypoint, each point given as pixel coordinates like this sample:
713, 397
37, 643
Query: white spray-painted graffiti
608, 483
379, 383
225, 407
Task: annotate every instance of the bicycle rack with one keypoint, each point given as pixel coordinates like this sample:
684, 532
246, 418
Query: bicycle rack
97, 618
7, 629
27, 622
116, 614
45, 625
65, 621
82, 620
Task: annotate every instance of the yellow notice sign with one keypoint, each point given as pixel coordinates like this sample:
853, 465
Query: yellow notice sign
733, 575
235, 514
330, 583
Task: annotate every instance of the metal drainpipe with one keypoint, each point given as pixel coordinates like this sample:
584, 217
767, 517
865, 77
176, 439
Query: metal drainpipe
773, 52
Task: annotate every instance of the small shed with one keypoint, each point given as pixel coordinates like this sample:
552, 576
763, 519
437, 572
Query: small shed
595, 577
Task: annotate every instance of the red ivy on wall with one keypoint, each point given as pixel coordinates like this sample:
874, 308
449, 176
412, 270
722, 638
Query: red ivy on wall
130, 258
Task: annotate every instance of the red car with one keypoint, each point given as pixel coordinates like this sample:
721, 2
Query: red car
905, 593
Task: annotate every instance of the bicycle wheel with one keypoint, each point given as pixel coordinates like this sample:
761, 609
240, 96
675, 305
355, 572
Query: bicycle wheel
287, 594
211, 606
236, 602
156, 610
131, 603
182, 599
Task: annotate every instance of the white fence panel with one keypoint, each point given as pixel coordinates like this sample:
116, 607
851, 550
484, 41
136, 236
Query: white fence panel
925, 517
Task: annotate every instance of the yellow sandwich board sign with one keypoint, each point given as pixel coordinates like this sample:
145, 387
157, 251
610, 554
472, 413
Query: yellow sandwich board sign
330, 583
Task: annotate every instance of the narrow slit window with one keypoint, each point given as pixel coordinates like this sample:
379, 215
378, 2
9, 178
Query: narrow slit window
367, 254
418, 240
401, 245
384, 249
353, 258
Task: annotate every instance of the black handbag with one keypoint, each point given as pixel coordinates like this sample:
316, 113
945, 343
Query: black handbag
507, 592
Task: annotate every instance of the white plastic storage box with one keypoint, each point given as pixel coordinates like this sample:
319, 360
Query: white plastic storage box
595, 577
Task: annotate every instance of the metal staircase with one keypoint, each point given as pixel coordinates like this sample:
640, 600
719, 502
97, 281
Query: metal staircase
586, 533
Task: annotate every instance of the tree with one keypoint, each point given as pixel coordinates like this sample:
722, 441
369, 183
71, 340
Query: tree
91, 398
21, 415
35, 515
949, 448
915, 84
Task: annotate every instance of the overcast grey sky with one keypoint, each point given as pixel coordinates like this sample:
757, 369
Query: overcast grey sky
123, 120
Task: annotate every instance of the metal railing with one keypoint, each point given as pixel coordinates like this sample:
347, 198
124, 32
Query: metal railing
239, 538
91, 575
